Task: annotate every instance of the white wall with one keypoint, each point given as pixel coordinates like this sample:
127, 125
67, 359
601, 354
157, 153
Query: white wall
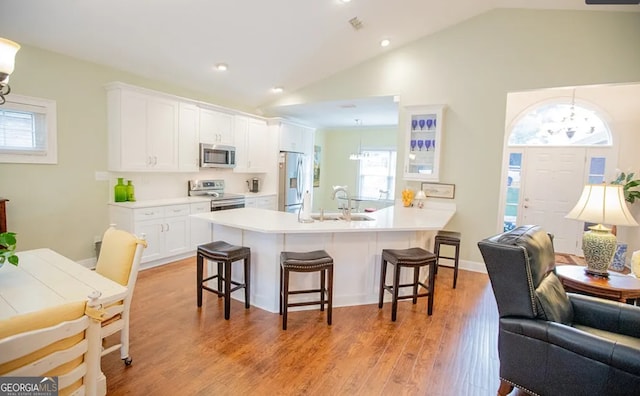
471, 67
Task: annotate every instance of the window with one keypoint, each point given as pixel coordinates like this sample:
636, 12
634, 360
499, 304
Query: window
28, 130
560, 124
377, 174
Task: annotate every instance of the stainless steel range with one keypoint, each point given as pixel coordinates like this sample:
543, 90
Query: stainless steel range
214, 189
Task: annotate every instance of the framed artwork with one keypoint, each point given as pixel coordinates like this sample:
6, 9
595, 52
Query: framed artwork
439, 190
317, 151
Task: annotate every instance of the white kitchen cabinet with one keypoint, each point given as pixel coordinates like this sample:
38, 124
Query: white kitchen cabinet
255, 151
294, 137
216, 127
142, 129
264, 202
166, 228
423, 141
188, 155
200, 229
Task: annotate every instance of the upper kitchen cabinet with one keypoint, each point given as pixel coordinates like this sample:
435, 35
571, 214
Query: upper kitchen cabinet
423, 127
294, 137
188, 153
255, 151
216, 127
142, 129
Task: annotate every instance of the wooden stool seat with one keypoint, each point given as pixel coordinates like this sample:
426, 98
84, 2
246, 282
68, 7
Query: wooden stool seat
451, 238
224, 254
410, 258
317, 260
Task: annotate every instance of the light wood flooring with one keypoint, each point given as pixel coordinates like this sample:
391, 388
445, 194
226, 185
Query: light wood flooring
178, 349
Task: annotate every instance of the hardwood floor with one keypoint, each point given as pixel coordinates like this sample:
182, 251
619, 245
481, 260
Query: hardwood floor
178, 349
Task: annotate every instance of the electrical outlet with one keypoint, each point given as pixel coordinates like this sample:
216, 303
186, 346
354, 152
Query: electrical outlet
102, 176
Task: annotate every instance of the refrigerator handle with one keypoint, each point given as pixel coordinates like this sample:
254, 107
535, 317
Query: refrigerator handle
299, 188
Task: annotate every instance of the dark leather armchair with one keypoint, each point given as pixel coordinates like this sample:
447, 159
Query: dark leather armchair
551, 342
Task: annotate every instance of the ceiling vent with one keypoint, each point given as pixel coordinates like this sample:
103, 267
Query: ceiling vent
355, 23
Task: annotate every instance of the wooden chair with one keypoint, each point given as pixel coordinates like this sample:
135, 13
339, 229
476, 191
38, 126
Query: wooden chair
50, 343
119, 260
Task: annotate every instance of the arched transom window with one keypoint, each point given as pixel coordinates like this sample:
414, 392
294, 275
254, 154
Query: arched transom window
560, 124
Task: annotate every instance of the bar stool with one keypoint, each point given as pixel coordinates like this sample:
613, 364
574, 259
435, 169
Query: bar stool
410, 258
225, 254
450, 238
318, 260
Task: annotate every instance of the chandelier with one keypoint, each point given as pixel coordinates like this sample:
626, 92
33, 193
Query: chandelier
359, 155
571, 123
8, 50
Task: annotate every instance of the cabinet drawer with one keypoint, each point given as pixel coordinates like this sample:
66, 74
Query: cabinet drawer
176, 210
202, 207
148, 213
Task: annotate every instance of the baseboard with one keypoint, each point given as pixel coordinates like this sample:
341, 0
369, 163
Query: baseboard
472, 266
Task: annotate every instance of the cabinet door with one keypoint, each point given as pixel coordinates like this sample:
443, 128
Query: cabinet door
176, 235
132, 131
241, 138
162, 133
258, 147
152, 230
188, 154
423, 142
216, 127
269, 202
224, 127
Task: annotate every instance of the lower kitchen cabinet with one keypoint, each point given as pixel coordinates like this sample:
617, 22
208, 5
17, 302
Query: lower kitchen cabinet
264, 202
166, 228
200, 229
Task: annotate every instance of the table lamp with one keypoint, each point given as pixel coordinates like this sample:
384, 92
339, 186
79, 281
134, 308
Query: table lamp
601, 204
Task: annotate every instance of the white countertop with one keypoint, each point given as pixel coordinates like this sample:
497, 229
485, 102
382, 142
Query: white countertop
160, 202
393, 218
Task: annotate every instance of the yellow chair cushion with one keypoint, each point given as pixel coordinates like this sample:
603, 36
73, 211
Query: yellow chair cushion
116, 255
40, 320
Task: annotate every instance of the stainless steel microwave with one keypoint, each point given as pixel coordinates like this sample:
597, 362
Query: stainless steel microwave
217, 156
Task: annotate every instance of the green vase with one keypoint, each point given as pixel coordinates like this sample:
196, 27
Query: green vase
120, 191
131, 196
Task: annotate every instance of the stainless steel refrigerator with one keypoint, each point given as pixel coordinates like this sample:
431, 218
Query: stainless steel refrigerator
291, 180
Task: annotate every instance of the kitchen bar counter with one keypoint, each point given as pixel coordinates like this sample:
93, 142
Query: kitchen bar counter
393, 218
355, 247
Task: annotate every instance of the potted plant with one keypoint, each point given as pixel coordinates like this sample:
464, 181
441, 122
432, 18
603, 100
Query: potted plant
628, 185
8, 248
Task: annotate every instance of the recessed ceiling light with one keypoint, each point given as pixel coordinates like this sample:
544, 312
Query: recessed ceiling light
345, 1
222, 67
385, 43
277, 89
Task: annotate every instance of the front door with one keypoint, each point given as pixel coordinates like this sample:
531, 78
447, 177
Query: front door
552, 183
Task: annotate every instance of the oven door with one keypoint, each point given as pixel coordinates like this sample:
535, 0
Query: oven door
225, 205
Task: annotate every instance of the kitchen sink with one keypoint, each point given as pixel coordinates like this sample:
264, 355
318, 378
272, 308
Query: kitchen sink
340, 217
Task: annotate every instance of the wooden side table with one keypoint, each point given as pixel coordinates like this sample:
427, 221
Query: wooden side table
617, 286
3, 215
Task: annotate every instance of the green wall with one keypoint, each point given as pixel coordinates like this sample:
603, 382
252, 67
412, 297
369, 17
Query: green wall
336, 168
62, 206
471, 67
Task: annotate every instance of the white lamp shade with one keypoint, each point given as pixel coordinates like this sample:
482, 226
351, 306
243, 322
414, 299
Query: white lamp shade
421, 195
8, 50
602, 204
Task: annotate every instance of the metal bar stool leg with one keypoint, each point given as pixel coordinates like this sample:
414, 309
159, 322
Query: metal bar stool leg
227, 289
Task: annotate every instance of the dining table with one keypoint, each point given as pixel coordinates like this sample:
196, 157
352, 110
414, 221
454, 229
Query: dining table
44, 279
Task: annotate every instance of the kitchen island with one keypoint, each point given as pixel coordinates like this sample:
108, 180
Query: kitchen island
355, 247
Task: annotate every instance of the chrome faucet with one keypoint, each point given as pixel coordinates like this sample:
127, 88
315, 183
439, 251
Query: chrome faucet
346, 212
